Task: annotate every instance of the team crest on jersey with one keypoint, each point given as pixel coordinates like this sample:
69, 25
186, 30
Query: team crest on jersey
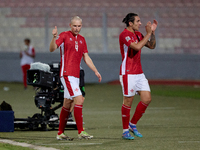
57, 37
70, 39
81, 42
127, 38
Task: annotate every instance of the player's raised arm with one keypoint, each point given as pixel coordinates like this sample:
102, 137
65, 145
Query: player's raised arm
91, 65
53, 44
138, 46
152, 42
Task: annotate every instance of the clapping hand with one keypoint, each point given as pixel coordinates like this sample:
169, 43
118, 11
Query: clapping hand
154, 25
148, 27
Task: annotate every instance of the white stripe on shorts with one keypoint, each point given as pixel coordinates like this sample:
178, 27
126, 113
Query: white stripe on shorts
71, 87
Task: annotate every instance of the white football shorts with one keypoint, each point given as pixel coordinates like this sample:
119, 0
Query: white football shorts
132, 83
71, 87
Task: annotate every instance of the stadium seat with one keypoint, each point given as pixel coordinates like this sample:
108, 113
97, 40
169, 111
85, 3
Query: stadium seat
177, 19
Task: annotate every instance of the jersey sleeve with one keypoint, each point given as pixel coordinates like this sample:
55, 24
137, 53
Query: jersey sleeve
139, 35
33, 51
85, 50
126, 39
60, 39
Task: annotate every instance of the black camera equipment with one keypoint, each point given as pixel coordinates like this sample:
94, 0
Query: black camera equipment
48, 91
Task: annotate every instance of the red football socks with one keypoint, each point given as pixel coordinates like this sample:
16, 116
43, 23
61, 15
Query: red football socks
140, 110
64, 114
125, 116
78, 117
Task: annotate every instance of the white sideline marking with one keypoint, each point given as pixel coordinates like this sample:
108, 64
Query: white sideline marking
74, 144
188, 141
26, 145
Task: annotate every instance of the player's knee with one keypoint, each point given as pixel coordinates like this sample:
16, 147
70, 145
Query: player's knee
79, 100
127, 101
67, 103
149, 100
146, 100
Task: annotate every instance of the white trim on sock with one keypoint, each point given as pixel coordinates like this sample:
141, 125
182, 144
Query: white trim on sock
124, 130
132, 124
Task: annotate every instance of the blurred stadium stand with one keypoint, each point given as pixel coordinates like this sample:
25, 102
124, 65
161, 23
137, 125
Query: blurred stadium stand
178, 31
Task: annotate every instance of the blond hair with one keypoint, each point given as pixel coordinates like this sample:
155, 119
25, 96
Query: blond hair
76, 18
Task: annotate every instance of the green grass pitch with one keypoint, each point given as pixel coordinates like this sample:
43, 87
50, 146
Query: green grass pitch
171, 122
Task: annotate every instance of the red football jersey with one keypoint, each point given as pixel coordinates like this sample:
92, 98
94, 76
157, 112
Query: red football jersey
131, 61
72, 48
